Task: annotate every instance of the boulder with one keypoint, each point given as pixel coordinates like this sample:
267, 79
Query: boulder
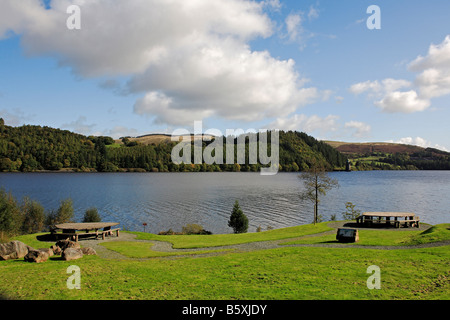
87, 251
37, 256
72, 254
13, 250
62, 245
49, 251
56, 250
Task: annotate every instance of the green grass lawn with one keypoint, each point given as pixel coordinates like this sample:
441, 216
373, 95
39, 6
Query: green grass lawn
287, 273
144, 250
386, 237
214, 240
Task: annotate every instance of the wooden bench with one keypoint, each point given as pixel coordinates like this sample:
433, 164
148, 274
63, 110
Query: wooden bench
75, 235
407, 223
371, 218
69, 230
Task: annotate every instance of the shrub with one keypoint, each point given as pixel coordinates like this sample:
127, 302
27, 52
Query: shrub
62, 215
33, 216
194, 229
188, 229
169, 232
351, 213
10, 217
91, 215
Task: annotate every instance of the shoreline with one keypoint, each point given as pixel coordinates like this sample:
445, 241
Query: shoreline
140, 170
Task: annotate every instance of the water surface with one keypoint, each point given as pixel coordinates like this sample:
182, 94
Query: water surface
171, 200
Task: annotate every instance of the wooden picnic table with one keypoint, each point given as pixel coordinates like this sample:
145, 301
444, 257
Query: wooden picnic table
72, 230
407, 219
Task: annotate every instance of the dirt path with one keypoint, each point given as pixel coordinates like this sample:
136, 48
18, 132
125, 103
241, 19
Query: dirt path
162, 246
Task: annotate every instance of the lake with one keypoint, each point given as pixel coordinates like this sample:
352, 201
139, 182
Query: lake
172, 200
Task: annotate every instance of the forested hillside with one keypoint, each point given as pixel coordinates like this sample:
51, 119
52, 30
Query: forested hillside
34, 148
392, 156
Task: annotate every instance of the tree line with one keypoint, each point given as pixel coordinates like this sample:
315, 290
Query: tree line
31, 148
29, 216
428, 159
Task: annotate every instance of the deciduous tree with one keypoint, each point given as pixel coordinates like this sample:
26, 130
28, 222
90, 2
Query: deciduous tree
317, 183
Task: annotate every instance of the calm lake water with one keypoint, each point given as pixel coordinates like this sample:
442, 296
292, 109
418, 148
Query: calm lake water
172, 200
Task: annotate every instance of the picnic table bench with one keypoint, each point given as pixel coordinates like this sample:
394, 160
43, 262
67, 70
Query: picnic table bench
371, 218
74, 230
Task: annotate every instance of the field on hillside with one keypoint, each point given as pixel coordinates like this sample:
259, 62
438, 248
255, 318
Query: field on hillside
392, 156
161, 138
373, 147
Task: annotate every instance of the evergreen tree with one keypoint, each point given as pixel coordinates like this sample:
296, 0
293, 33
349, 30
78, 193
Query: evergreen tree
238, 220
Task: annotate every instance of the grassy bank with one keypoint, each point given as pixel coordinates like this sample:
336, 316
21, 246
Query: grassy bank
282, 273
386, 237
214, 240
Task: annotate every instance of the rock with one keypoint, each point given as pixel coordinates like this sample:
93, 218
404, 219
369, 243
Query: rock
72, 254
49, 251
37, 256
62, 245
56, 250
13, 250
88, 251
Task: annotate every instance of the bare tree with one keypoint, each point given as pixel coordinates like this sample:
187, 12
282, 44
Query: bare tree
317, 183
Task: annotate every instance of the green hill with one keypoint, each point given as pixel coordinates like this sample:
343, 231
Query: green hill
392, 156
31, 148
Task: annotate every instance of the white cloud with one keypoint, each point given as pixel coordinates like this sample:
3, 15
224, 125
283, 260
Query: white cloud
304, 123
128, 36
438, 57
432, 81
294, 26
372, 86
15, 117
405, 102
187, 59
120, 131
361, 129
225, 80
339, 99
389, 99
273, 4
376, 88
162, 109
80, 126
313, 13
418, 141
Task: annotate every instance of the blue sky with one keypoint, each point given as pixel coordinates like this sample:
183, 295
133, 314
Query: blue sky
146, 66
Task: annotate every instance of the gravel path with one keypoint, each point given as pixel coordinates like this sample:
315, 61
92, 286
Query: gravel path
162, 246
